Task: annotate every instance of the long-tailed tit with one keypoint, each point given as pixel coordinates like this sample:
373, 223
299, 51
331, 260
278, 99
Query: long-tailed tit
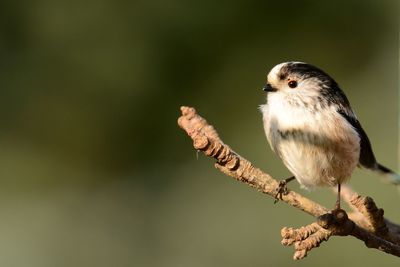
310, 125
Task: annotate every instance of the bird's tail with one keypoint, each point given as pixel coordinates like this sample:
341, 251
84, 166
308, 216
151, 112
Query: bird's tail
392, 176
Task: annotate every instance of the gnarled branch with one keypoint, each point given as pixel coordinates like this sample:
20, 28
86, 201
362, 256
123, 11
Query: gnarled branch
366, 222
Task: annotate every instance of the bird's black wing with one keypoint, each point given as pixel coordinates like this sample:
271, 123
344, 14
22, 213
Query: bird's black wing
367, 157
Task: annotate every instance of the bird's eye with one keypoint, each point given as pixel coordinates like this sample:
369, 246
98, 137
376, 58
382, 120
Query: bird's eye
292, 84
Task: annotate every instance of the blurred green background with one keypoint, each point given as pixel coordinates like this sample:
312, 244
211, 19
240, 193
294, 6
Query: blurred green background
94, 170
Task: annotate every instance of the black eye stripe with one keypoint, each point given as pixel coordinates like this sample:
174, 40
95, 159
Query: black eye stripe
292, 84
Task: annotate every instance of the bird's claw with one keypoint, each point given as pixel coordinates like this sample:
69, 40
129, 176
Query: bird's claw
281, 190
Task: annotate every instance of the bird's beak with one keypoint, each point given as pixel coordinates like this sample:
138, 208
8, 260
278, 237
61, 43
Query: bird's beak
269, 88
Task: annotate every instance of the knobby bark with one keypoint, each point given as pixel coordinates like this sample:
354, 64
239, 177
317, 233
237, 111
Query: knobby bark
366, 221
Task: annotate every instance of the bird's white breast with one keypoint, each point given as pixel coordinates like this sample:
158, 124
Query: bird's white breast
315, 142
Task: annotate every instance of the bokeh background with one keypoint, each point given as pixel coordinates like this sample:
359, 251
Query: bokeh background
94, 170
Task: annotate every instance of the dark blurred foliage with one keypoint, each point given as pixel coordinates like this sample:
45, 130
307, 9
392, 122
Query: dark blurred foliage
96, 172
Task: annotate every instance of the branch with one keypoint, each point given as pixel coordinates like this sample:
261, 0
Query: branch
206, 139
365, 223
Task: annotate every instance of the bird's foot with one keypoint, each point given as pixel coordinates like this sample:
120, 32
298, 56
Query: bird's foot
281, 190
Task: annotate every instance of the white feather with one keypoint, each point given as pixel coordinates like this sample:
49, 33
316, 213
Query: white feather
315, 142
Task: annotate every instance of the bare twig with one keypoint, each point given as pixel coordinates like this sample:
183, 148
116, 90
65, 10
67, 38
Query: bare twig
365, 223
370, 216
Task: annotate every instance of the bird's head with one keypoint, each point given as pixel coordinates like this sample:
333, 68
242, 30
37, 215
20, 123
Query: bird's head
298, 78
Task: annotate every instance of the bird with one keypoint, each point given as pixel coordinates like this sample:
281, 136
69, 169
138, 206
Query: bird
310, 125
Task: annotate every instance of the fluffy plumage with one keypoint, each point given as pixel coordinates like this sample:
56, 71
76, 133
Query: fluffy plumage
311, 126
